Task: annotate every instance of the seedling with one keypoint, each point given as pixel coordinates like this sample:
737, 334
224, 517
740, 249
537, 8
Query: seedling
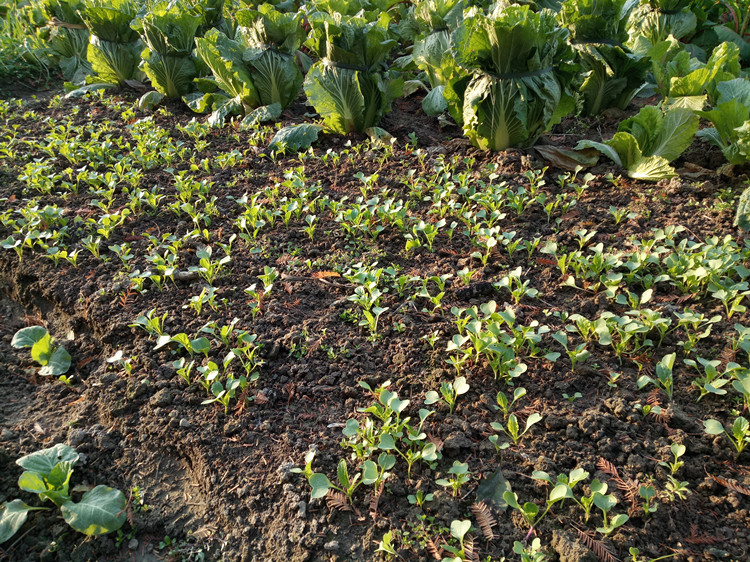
458, 531
502, 400
47, 473
153, 325
577, 355
739, 436
572, 398
55, 361
712, 381
420, 498
664, 379
512, 429
459, 475
449, 392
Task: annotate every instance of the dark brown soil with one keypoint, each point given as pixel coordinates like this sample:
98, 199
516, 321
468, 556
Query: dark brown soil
221, 484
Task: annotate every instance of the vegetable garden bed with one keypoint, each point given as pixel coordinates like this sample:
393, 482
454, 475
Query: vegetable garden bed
398, 347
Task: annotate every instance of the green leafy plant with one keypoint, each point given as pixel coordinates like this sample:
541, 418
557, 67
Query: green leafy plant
513, 76
351, 86
612, 75
450, 393
114, 48
458, 475
258, 69
47, 473
55, 361
646, 143
168, 31
664, 378
739, 435
513, 430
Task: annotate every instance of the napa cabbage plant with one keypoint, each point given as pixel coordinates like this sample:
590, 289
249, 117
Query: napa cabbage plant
686, 81
652, 21
612, 75
645, 144
513, 77
114, 49
731, 121
68, 38
168, 31
257, 68
435, 20
351, 86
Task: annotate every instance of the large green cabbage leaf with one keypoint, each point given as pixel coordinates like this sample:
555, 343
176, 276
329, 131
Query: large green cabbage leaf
435, 20
652, 21
68, 43
114, 47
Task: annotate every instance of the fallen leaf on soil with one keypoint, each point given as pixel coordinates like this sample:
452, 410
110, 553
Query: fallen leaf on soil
569, 159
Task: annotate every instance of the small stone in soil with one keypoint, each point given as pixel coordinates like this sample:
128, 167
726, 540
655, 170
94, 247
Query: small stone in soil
132, 544
333, 545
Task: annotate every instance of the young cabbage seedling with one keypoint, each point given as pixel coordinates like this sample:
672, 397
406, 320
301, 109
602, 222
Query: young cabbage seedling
459, 475
55, 361
512, 429
47, 473
450, 393
664, 379
739, 436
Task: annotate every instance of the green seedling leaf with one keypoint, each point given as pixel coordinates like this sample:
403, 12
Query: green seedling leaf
431, 397
560, 492
386, 442
27, 337
369, 473
45, 460
534, 418
100, 511
58, 364
492, 490
320, 485
296, 137
201, 345
460, 528
32, 482
42, 350
12, 517
713, 427
460, 386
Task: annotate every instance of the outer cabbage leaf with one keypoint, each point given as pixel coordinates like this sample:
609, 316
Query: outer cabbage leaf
114, 62
335, 94
114, 47
169, 29
351, 87
110, 19
171, 76
652, 21
276, 75
723, 65
731, 118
